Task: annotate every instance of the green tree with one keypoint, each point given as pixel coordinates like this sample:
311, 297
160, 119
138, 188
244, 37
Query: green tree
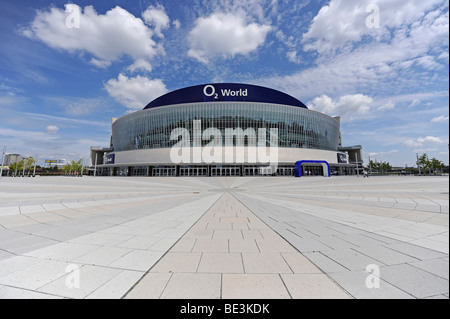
436, 165
423, 163
17, 167
385, 167
29, 163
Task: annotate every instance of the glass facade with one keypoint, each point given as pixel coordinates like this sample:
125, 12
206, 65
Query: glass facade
297, 127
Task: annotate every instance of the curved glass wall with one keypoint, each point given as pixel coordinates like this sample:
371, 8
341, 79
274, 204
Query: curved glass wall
297, 127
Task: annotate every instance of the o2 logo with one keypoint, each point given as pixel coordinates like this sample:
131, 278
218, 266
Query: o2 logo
210, 90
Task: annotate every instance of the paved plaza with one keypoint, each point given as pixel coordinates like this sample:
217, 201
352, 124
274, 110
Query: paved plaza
228, 237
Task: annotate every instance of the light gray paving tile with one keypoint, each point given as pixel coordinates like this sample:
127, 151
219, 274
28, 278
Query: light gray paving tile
101, 239
359, 240
351, 259
140, 242
438, 267
18, 293
163, 245
432, 244
344, 229
335, 243
414, 281
16, 263
102, 256
82, 283
304, 244
385, 255
416, 251
5, 255
118, 286
25, 243
384, 239
326, 264
36, 276
141, 260
62, 251
354, 282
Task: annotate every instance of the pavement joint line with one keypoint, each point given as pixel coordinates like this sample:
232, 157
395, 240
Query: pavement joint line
285, 287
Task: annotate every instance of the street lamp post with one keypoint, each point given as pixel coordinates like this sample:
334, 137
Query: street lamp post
34, 171
95, 165
418, 164
24, 164
3, 160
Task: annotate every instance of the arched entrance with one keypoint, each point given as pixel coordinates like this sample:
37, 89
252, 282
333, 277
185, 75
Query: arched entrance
315, 167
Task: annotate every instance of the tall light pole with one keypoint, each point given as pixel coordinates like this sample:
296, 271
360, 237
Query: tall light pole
418, 164
3, 160
95, 165
34, 171
357, 167
24, 165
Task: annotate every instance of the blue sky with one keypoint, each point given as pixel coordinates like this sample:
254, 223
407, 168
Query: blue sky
60, 85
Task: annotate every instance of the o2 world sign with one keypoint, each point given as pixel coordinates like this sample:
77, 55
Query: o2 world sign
210, 91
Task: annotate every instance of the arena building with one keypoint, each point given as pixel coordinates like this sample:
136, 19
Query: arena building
226, 129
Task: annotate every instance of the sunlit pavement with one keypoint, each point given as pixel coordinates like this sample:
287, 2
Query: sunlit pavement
111, 237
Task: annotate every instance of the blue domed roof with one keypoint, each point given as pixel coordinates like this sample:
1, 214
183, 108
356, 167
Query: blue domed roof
225, 92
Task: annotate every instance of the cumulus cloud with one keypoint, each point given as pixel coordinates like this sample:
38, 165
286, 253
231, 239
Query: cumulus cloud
344, 21
135, 92
422, 141
348, 106
52, 129
157, 18
106, 37
224, 35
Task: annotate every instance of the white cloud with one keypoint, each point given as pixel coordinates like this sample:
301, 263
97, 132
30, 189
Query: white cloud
422, 141
140, 65
342, 22
176, 24
440, 119
158, 18
52, 129
107, 37
348, 106
224, 35
292, 57
135, 92
373, 63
